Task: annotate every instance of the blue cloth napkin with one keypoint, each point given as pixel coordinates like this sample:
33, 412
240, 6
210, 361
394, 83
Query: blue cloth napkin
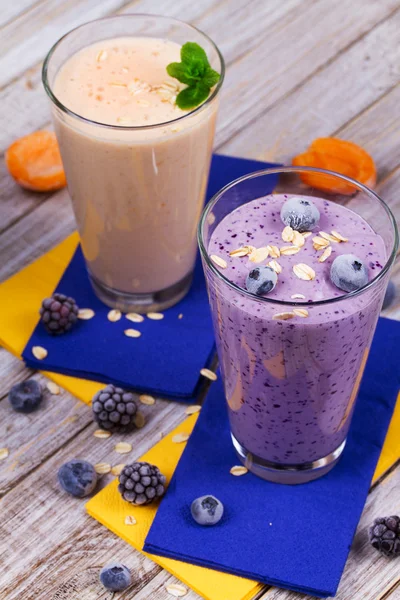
167, 358
296, 537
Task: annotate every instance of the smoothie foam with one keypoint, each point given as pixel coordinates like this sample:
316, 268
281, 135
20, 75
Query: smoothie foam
291, 384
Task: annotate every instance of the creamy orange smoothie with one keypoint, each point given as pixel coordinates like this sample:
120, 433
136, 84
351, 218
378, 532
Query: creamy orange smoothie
136, 167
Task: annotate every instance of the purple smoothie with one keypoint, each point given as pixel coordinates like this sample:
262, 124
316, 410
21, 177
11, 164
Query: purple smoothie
291, 384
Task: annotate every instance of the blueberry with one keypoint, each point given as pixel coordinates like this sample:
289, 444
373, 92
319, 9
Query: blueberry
25, 397
300, 214
390, 295
115, 577
348, 272
207, 510
78, 478
261, 280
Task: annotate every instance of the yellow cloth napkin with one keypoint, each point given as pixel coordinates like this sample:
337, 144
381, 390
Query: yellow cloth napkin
20, 299
109, 508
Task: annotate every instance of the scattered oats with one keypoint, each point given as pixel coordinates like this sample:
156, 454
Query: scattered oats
326, 254
53, 388
240, 252
303, 271
300, 312
140, 421
114, 315
176, 129
143, 103
39, 353
135, 317
125, 70
102, 468
287, 234
154, 316
339, 237
124, 120
208, 374
327, 236
298, 239
133, 333
238, 470
180, 316
220, 262
274, 251
4, 453
259, 254
130, 520
148, 400
192, 410
176, 589
283, 316
102, 55
289, 250
169, 85
102, 434
298, 297
306, 234
123, 447
85, 314
137, 87
117, 469
180, 437
320, 243
117, 84
275, 266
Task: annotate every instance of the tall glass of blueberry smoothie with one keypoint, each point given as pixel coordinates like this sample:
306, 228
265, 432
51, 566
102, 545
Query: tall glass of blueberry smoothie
296, 281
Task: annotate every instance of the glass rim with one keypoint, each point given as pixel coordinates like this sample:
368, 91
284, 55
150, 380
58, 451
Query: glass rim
75, 115
263, 299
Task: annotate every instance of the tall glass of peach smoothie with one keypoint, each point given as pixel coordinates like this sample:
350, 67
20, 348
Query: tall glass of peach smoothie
136, 163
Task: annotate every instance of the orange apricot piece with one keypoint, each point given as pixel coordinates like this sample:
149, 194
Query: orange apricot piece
340, 156
35, 162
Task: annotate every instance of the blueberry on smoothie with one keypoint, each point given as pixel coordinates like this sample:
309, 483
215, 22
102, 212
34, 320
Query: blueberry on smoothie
261, 280
207, 510
348, 272
300, 214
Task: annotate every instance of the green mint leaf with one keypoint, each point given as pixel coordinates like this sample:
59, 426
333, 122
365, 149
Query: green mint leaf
192, 53
211, 77
192, 96
180, 72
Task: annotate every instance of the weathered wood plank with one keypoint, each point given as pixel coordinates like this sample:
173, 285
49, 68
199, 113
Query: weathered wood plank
26, 39
12, 371
367, 574
11, 10
334, 96
57, 523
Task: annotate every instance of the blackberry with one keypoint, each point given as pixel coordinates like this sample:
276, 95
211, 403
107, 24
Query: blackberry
141, 483
25, 397
58, 314
114, 409
384, 535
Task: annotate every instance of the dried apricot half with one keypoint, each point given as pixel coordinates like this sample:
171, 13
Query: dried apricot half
35, 162
340, 156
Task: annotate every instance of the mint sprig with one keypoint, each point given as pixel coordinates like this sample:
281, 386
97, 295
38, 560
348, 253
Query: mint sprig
195, 71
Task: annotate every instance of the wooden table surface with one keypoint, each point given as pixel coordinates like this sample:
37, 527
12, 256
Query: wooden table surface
297, 69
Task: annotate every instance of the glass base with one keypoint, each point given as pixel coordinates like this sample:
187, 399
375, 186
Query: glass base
141, 303
289, 474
